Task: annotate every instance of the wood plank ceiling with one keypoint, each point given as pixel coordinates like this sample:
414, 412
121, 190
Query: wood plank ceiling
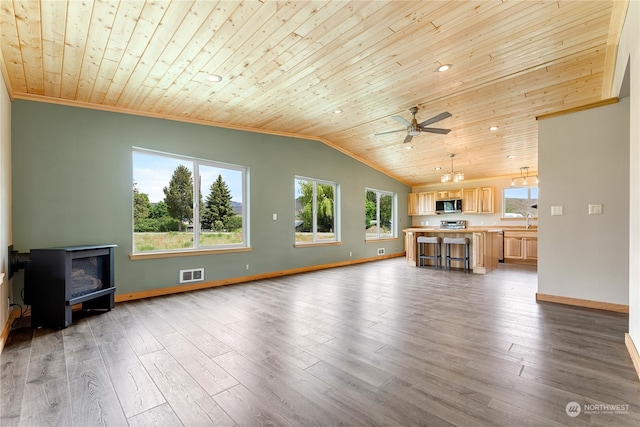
287, 65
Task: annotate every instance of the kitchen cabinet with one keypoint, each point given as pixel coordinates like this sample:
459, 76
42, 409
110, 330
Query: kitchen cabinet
422, 203
474, 200
530, 245
470, 200
486, 200
521, 247
413, 203
477, 200
427, 203
449, 194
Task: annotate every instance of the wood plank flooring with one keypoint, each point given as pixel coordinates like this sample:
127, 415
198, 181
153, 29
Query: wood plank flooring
376, 344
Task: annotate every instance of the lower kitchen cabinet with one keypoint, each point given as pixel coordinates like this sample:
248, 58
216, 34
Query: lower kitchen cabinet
521, 247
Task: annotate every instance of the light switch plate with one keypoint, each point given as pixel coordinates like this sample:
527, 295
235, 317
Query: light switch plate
595, 209
556, 210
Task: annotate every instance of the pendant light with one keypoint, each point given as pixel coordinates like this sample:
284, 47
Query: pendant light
524, 177
452, 176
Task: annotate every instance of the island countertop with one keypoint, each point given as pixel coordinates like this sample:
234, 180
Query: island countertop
484, 244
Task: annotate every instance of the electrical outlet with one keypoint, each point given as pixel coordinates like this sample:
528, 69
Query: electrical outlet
380, 251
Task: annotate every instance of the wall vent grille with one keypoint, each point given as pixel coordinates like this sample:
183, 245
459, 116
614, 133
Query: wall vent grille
192, 275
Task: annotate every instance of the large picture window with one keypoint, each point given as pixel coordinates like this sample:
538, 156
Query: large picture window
315, 211
519, 202
181, 203
380, 209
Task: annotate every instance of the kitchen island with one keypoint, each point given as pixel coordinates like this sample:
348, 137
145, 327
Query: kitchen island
484, 246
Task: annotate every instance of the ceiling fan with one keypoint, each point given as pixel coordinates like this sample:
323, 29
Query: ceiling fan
414, 128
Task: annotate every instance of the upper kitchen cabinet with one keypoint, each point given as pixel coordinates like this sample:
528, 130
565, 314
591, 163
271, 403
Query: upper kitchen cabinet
470, 200
486, 202
449, 194
422, 203
474, 200
413, 204
477, 200
427, 203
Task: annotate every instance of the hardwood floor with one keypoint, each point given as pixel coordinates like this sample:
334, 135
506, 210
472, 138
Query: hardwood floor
365, 345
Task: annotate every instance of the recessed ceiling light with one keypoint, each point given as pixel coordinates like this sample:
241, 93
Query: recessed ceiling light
511, 156
337, 111
493, 128
443, 67
409, 147
437, 168
214, 78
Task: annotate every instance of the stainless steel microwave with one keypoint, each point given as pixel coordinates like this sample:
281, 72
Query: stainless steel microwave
448, 206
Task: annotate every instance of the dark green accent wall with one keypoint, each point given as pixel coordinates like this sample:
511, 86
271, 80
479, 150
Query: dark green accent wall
72, 180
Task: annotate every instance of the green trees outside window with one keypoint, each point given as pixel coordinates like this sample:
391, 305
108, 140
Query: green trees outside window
380, 208
168, 208
315, 211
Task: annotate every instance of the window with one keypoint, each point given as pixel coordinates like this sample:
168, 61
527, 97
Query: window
315, 211
380, 209
518, 201
181, 203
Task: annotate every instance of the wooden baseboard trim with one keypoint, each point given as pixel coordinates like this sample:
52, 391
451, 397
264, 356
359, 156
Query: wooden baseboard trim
633, 352
598, 305
243, 279
13, 315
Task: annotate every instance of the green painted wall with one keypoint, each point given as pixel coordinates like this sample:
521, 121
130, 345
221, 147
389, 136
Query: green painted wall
72, 180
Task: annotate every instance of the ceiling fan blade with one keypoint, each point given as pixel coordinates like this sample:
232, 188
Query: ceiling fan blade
407, 139
434, 119
401, 120
391, 131
435, 130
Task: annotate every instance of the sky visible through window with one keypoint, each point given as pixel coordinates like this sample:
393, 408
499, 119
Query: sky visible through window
151, 173
523, 193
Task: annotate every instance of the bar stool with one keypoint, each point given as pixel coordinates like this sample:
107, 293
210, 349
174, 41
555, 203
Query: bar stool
448, 241
423, 241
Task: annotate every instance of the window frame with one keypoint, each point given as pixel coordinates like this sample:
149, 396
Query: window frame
394, 214
336, 213
529, 202
196, 164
